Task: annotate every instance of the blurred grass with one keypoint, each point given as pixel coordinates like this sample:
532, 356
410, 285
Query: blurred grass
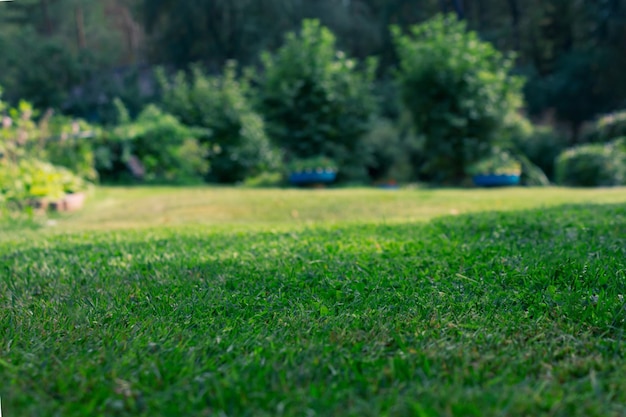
122, 208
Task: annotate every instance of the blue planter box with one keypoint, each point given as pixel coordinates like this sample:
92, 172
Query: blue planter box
312, 177
493, 180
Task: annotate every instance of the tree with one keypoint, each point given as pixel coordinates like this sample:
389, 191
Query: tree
239, 146
316, 101
570, 51
50, 47
459, 92
573, 59
214, 31
161, 148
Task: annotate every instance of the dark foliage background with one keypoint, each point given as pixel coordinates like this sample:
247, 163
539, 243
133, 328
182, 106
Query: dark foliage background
78, 55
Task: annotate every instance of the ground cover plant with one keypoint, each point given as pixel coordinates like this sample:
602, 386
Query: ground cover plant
485, 314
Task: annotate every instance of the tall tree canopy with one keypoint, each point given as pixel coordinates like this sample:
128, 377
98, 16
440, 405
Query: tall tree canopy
571, 51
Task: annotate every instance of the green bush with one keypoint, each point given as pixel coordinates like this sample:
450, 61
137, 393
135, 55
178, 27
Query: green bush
20, 136
607, 128
156, 148
387, 152
111, 155
60, 140
592, 165
500, 163
56, 139
543, 147
311, 164
26, 179
12, 185
240, 147
315, 100
540, 144
69, 144
459, 92
30, 179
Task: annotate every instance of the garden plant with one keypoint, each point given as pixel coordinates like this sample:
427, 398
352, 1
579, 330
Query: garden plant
459, 92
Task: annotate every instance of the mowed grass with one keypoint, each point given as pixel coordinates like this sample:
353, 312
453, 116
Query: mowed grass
517, 313
121, 208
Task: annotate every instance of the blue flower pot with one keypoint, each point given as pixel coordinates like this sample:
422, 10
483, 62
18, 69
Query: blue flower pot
494, 180
312, 177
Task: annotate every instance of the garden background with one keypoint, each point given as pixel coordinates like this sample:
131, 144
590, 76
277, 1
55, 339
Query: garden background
381, 92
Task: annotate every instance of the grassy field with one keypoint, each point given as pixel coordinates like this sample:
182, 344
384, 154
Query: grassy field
321, 303
122, 208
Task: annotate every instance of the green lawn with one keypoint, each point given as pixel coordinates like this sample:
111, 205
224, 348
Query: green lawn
121, 208
322, 303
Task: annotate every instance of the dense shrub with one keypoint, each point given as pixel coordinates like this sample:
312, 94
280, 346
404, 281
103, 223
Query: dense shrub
29, 180
156, 148
387, 151
26, 148
459, 92
607, 128
593, 165
112, 150
500, 162
315, 100
542, 148
69, 144
57, 139
239, 145
541, 145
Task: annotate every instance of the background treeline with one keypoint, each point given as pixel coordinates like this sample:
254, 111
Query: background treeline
77, 54
251, 91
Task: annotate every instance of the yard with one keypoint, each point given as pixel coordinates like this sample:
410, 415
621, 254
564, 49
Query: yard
234, 302
225, 208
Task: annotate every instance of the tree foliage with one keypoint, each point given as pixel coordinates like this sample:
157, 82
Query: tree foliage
607, 127
239, 146
316, 100
156, 147
69, 54
459, 92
